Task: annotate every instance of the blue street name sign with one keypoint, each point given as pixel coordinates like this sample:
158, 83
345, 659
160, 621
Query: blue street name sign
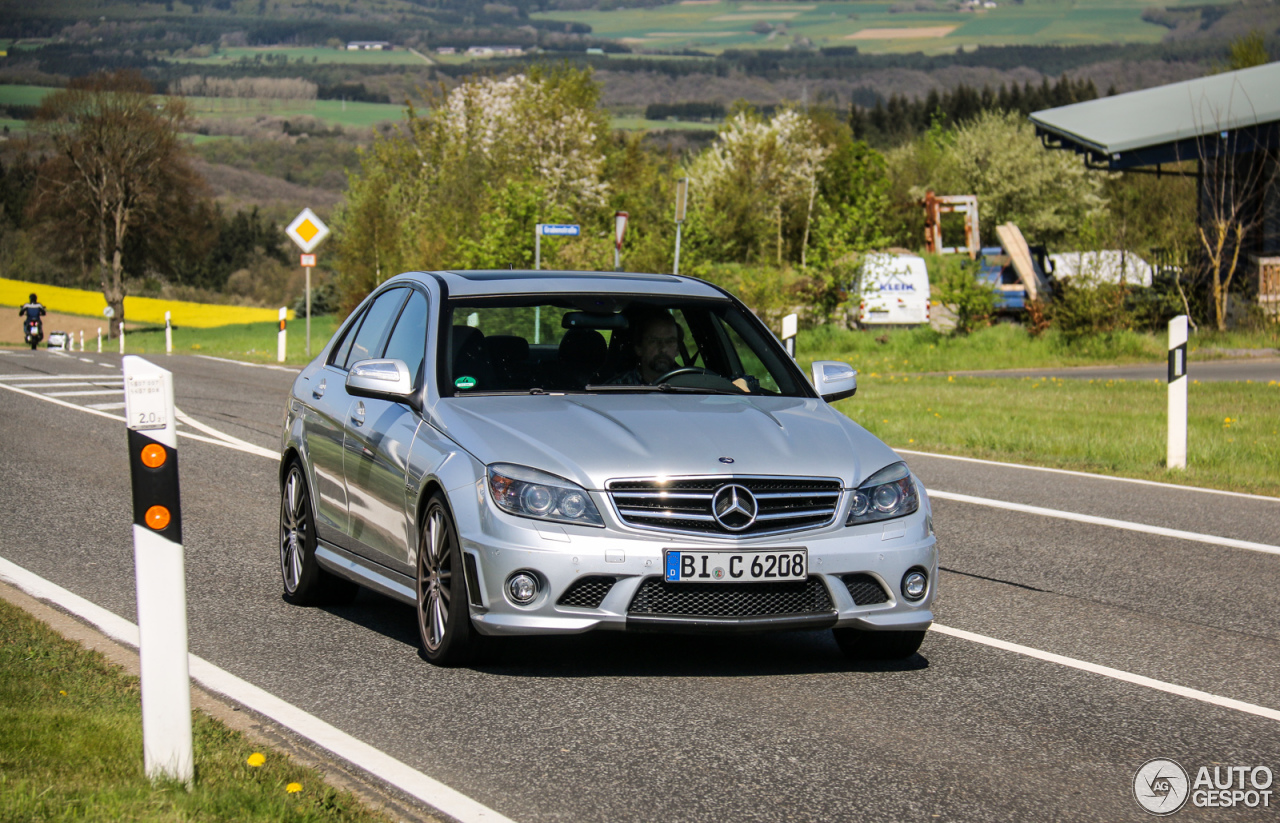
561, 229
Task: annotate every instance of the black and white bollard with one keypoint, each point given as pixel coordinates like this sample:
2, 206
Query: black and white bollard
1177, 458
159, 571
168, 335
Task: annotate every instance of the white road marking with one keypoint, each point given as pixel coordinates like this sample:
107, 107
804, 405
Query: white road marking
1092, 476
242, 445
101, 383
1107, 671
82, 393
24, 378
251, 365
377, 763
1107, 521
84, 360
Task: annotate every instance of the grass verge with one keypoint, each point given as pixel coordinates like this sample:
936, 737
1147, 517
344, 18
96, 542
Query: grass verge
252, 342
71, 748
1008, 346
1115, 427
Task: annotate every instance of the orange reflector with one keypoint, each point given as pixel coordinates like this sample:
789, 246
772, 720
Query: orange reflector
154, 455
158, 517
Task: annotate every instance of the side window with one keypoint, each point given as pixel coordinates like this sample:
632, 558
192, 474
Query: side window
377, 320
408, 340
339, 355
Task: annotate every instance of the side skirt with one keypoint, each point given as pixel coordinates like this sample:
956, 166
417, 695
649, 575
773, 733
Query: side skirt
367, 573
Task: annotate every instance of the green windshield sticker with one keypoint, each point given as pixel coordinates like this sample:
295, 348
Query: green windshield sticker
465, 382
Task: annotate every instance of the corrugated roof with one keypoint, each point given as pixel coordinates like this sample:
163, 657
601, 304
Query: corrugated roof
1168, 114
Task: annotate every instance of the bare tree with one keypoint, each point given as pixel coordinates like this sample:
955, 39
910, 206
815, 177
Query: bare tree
1235, 176
117, 172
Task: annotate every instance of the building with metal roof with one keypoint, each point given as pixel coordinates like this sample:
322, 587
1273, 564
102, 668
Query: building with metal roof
1227, 125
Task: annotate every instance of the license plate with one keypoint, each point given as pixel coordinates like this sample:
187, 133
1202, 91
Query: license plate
736, 567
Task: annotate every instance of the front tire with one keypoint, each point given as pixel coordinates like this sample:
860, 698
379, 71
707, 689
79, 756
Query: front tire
860, 644
305, 583
444, 617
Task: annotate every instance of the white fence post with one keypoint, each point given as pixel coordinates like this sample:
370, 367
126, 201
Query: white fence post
159, 571
168, 335
1177, 458
280, 337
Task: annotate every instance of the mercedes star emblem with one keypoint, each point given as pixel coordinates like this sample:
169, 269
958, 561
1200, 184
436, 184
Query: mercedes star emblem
734, 507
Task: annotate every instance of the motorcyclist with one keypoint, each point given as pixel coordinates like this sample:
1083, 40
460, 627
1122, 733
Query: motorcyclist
34, 310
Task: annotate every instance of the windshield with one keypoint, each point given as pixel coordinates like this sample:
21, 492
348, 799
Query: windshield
609, 343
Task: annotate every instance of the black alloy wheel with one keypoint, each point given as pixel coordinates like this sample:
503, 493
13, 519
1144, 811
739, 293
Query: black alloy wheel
305, 583
444, 618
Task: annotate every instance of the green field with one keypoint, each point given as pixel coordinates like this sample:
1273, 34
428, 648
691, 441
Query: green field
715, 27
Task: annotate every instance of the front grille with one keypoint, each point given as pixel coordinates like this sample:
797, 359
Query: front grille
658, 597
587, 592
684, 504
864, 589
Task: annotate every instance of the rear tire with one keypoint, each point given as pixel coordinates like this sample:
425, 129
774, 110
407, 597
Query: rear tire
305, 583
860, 644
444, 615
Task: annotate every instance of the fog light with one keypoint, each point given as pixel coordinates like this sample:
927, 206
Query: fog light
914, 584
522, 587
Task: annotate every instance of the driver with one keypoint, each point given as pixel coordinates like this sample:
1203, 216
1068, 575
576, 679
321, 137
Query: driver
656, 344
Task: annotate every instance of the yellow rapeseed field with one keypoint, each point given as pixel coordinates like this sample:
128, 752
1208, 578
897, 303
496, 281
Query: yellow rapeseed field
136, 309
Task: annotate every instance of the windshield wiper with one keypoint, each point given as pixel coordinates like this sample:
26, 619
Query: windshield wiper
666, 388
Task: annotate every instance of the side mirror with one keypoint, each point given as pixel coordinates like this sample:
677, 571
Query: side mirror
834, 380
381, 380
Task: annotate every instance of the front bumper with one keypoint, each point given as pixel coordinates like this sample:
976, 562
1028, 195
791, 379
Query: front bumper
872, 555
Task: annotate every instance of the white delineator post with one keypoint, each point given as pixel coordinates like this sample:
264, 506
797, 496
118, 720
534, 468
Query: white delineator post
99, 340
122, 338
159, 572
1178, 392
280, 338
682, 201
168, 335
790, 328
619, 232
82, 340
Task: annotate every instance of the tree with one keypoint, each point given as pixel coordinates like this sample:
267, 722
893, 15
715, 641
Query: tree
118, 179
464, 183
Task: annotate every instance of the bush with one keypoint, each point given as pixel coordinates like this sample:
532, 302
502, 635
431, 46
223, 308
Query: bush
953, 281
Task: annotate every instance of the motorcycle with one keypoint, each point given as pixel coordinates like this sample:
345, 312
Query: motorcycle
35, 333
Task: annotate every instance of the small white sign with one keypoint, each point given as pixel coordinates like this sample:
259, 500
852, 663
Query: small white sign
307, 230
790, 326
145, 402
109, 312
560, 229
308, 260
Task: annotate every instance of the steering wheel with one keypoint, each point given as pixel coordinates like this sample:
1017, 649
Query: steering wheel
684, 370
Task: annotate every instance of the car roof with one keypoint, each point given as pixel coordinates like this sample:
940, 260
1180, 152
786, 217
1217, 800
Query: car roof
518, 281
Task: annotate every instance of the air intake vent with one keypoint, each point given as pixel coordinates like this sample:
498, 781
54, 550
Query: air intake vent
657, 597
864, 589
587, 592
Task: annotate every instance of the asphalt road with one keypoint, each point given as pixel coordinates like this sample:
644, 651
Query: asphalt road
779, 727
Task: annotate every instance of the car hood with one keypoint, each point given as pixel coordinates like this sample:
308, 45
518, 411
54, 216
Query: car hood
591, 439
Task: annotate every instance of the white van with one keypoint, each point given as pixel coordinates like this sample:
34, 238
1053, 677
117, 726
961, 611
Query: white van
893, 290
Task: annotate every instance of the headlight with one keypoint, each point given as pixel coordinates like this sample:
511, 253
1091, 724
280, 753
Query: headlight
887, 494
527, 492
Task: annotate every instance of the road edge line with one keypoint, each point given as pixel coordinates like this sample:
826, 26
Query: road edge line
1126, 525
377, 763
1090, 475
1107, 671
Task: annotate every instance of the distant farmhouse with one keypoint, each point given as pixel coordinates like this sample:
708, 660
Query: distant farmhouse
369, 45
494, 51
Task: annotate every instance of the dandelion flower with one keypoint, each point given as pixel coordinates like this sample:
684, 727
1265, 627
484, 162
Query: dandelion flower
911, 441
293, 788
62, 692
256, 759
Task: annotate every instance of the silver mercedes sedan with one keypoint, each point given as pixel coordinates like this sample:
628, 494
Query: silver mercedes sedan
517, 452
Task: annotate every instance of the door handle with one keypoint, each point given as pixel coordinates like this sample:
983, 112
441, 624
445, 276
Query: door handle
318, 391
357, 416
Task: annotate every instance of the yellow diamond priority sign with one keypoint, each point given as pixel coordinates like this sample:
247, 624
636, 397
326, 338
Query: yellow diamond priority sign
307, 230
